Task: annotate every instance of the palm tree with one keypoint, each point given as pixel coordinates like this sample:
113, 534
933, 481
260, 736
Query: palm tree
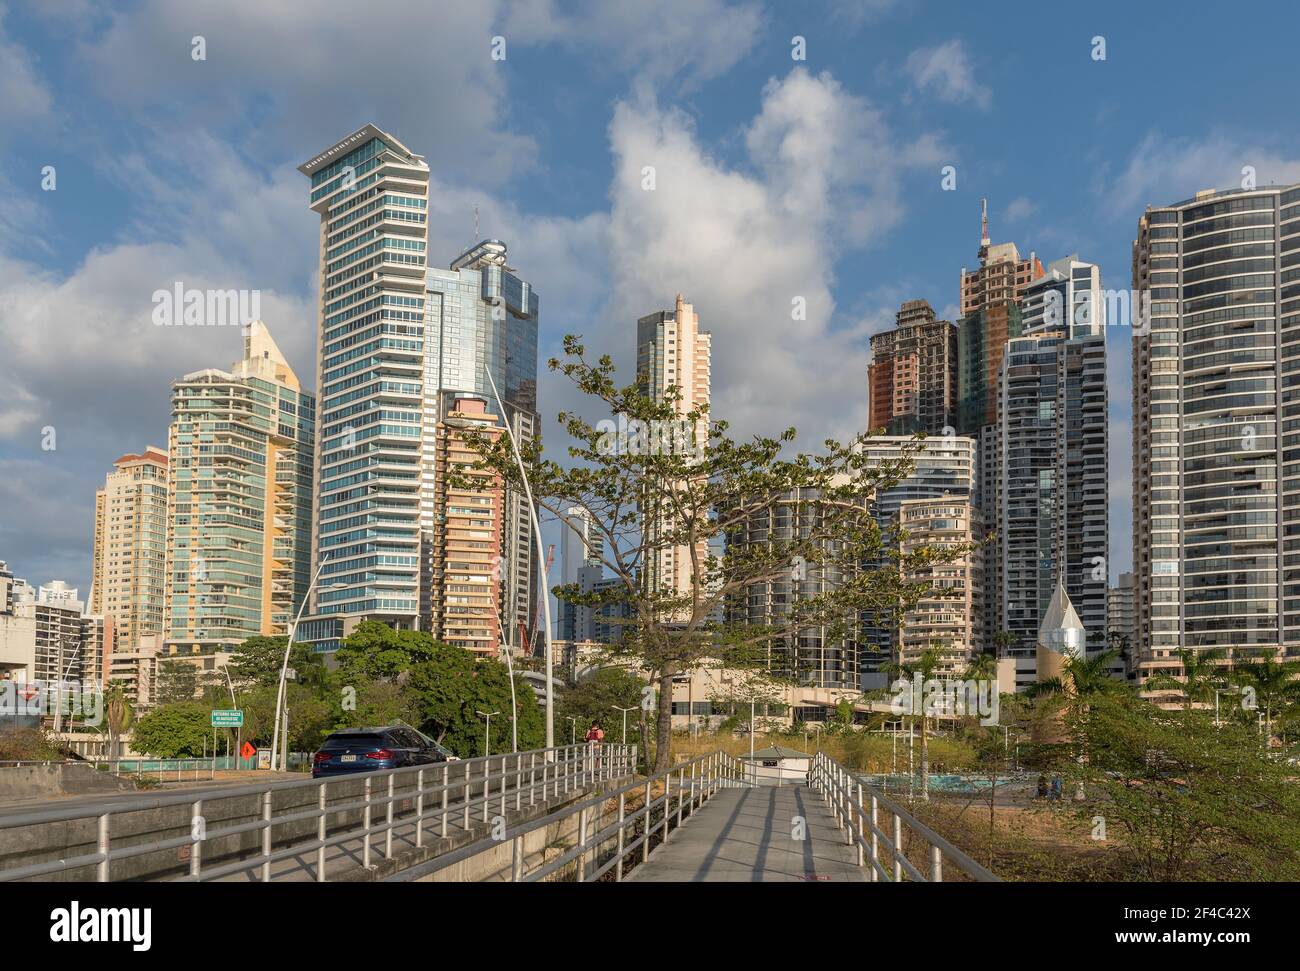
117, 708
1201, 676
925, 666
1274, 684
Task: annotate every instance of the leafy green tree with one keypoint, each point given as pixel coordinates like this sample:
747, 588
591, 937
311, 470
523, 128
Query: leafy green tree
118, 713
175, 731
596, 699
378, 703
695, 495
452, 685
925, 666
1189, 800
376, 652
1273, 684
177, 681
257, 661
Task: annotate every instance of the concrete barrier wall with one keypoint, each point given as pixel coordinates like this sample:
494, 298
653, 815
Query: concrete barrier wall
51, 781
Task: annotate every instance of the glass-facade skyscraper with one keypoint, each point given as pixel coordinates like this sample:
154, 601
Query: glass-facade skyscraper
1216, 442
397, 340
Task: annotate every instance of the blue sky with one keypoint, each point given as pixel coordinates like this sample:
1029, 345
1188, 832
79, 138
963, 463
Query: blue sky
775, 178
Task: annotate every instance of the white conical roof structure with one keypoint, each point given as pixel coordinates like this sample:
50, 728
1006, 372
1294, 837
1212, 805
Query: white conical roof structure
1062, 630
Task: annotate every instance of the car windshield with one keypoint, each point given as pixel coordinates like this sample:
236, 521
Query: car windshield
352, 741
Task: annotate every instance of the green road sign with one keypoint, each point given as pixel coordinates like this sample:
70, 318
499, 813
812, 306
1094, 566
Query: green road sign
228, 718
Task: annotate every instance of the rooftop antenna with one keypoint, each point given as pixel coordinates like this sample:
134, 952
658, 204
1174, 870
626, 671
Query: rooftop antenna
984, 222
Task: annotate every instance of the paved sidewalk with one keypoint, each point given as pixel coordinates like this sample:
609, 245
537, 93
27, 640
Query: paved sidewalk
746, 835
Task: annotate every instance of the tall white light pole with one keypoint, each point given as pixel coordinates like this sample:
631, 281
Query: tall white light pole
624, 711
487, 732
284, 670
541, 564
510, 672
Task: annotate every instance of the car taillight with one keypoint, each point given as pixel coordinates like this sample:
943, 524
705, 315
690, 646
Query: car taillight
323, 756
379, 754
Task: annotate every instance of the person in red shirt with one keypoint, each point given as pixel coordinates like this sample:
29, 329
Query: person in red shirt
595, 735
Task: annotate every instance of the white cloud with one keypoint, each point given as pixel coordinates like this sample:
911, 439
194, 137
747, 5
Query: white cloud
692, 39
1163, 170
945, 71
24, 95
1019, 208
741, 244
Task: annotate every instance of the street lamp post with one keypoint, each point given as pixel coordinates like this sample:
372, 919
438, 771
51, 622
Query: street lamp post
573, 725
284, 672
487, 731
541, 563
624, 711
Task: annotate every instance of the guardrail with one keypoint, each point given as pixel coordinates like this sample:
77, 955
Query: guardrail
600, 847
857, 809
435, 793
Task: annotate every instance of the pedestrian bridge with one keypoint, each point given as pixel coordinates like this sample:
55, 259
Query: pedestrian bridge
576, 813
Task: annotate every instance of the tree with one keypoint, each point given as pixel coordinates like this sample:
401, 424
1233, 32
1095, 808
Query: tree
177, 681
118, 712
925, 666
377, 652
180, 730
452, 686
257, 661
1273, 684
594, 699
1201, 676
1192, 801
677, 481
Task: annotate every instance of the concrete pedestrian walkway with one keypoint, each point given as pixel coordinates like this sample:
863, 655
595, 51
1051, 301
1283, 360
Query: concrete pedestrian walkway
749, 835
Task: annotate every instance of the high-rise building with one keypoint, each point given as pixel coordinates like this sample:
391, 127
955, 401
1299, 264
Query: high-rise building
394, 335
581, 563
1051, 495
947, 620
1120, 616
990, 309
672, 351
1216, 481
467, 581
912, 377
128, 579
942, 467
811, 656
239, 500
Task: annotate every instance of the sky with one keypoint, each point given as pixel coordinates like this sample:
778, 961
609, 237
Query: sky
775, 177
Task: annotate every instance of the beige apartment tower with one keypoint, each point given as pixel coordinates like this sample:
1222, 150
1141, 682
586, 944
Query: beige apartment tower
130, 549
672, 351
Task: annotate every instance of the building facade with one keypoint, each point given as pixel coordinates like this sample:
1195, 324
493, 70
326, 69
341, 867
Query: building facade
395, 335
239, 500
990, 309
912, 377
672, 351
947, 619
129, 560
1216, 482
1051, 505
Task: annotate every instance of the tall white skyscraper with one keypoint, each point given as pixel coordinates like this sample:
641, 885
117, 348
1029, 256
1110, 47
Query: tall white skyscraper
672, 351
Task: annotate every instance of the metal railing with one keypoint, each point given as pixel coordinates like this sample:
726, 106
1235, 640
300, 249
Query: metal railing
604, 830
858, 810
362, 807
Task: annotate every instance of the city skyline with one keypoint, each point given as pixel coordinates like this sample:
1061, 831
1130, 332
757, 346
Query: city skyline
127, 221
